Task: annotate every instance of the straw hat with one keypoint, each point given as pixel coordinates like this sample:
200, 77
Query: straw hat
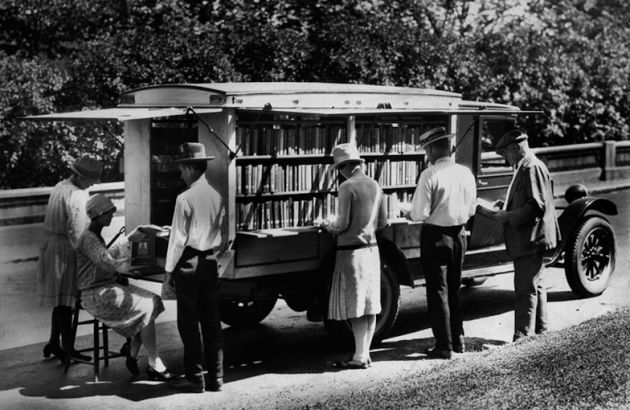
191, 152
343, 153
88, 168
433, 135
98, 205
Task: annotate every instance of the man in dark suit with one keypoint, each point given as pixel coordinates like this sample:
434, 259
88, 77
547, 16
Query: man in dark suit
530, 228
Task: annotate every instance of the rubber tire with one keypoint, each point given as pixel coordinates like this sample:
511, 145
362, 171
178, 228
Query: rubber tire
240, 314
340, 330
590, 257
474, 282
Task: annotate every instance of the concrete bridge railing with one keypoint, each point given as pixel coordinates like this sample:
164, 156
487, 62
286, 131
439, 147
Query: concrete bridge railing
598, 165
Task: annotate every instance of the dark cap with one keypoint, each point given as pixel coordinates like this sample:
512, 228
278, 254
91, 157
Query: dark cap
191, 152
433, 135
509, 138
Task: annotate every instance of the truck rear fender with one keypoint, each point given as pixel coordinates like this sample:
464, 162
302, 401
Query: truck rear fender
574, 214
396, 258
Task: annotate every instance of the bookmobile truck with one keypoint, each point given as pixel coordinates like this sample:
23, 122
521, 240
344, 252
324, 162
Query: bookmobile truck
272, 144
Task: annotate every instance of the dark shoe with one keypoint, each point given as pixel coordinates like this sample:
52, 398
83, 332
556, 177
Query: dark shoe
459, 348
187, 386
51, 350
438, 353
160, 376
130, 362
125, 349
132, 365
350, 364
214, 384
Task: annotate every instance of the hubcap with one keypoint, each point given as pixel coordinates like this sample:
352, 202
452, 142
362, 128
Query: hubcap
595, 255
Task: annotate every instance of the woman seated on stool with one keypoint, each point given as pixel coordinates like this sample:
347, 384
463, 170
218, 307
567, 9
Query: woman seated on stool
129, 310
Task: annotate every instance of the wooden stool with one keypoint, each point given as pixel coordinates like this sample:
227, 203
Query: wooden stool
97, 348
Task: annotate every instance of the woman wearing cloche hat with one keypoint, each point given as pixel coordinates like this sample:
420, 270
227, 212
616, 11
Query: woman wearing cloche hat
64, 223
129, 310
355, 293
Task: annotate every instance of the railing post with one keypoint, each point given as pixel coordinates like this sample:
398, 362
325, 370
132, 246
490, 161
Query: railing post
609, 160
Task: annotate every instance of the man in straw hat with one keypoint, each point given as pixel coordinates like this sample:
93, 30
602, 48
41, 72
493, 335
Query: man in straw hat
191, 267
64, 223
530, 228
444, 200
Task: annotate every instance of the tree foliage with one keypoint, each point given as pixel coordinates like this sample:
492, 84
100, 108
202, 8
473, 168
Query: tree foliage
569, 58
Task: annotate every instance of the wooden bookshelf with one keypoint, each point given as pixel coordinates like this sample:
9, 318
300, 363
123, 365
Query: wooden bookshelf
284, 177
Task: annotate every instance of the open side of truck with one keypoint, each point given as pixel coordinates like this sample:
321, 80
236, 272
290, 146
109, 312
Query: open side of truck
272, 144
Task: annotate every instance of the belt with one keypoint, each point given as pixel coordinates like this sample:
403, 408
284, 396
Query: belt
447, 230
354, 247
196, 252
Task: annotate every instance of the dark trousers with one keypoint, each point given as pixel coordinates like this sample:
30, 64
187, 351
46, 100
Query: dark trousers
530, 308
442, 257
198, 295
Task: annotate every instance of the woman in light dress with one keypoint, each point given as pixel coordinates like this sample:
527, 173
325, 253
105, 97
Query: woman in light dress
355, 294
127, 309
64, 223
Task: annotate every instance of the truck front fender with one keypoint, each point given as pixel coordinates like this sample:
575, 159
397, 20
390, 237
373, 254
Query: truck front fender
574, 214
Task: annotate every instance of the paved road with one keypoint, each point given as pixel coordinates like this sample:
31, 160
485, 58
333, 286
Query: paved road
284, 360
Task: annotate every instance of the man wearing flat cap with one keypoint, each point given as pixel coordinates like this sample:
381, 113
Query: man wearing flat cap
444, 201
64, 223
191, 267
530, 228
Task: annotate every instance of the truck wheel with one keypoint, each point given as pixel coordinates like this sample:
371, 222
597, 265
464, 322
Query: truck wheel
474, 282
341, 332
590, 257
238, 313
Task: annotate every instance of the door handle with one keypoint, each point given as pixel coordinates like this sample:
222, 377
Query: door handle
482, 183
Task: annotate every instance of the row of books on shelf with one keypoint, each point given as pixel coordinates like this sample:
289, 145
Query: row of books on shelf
394, 173
296, 140
272, 178
388, 139
288, 213
276, 178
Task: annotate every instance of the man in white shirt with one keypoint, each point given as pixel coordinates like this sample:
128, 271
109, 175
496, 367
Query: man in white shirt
191, 267
444, 200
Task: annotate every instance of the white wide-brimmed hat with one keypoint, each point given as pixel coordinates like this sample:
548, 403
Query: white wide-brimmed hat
346, 152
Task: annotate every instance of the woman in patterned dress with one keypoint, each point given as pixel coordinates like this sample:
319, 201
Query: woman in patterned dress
129, 310
64, 223
356, 286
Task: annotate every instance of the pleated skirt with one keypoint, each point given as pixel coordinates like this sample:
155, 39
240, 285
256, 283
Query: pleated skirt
356, 284
125, 309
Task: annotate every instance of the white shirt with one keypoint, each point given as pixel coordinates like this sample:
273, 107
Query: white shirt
197, 220
446, 194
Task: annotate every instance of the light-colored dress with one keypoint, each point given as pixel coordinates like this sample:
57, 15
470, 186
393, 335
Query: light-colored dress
356, 284
64, 223
125, 309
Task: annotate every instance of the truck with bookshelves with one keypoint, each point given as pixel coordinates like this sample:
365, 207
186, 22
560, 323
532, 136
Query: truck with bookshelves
272, 144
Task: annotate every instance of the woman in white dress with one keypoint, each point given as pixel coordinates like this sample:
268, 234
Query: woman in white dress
64, 223
356, 287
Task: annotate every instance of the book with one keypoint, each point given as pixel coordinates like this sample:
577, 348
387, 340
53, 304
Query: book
486, 207
159, 231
